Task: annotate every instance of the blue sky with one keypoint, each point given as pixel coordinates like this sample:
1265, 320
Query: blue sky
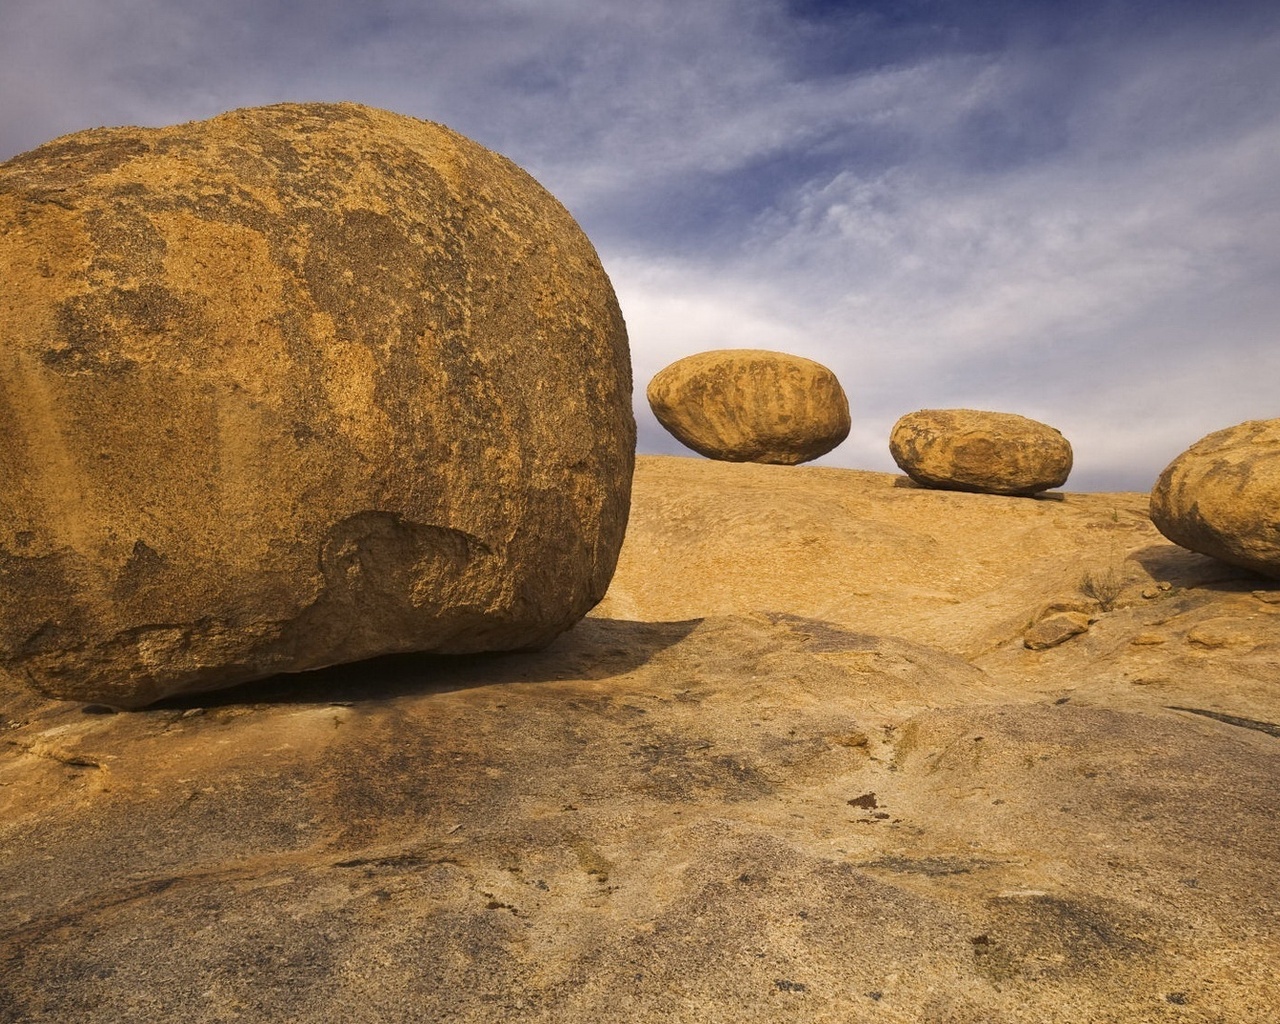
1069, 210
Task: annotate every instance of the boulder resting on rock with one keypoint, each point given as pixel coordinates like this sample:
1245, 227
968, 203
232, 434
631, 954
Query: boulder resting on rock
290, 387
987, 452
1221, 497
751, 405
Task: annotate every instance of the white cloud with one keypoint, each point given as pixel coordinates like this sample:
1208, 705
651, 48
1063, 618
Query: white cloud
1080, 226
1120, 294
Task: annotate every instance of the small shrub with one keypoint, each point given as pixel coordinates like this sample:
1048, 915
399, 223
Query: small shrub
1103, 586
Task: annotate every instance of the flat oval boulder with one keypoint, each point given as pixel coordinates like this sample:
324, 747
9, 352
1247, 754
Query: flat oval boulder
296, 386
750, 405
1054, 630
1221, 497
987, 452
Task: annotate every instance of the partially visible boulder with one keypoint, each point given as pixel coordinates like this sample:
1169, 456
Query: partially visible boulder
988, 452
1221, 497
295, 386
749, 405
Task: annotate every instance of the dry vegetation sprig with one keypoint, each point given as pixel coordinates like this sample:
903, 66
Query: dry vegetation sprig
1103, 585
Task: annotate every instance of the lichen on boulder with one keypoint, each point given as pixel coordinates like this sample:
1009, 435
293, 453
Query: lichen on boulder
295, 386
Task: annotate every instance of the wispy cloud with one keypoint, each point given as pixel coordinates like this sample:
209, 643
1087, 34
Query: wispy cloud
1062, 210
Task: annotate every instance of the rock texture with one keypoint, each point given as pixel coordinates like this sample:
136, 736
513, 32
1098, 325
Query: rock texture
1055, 629
1221, 496
798, 765
290, 387
990, 452
748, 405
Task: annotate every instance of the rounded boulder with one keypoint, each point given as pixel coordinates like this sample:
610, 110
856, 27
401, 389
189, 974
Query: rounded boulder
1221, 497
749, 405
986, 452
295, 386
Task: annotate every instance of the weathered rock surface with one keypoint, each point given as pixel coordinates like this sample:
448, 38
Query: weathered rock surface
1055, 629
749, 405
1221, 496
798, 765
291, 387
989, 452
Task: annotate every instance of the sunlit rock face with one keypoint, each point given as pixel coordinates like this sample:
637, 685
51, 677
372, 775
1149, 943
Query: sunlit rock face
750, 405
290, 387
988, 452
1221, 497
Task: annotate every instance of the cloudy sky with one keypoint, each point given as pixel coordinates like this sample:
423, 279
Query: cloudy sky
1068, 209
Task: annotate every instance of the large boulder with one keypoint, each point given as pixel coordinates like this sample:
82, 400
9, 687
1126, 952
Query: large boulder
749, 405
988, 452
1221, 497
290, 387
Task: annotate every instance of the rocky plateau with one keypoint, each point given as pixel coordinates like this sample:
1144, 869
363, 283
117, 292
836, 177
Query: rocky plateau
833, 748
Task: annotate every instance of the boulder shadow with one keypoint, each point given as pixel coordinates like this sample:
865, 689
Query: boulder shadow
906, 483
594, 649
1169, 563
